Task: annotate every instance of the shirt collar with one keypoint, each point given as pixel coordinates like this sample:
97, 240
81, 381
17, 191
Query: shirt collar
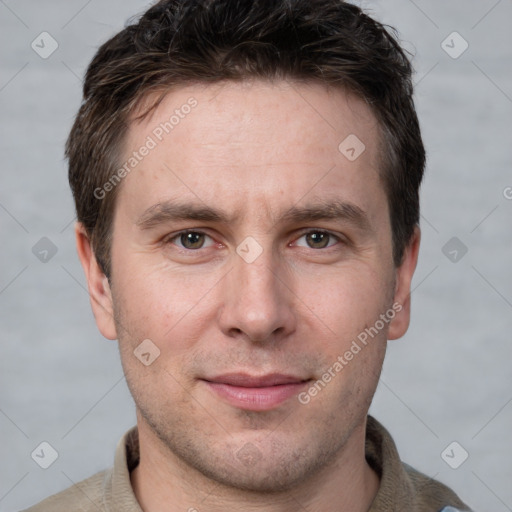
397, 491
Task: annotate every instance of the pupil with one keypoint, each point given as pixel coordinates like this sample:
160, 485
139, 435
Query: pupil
318, 240
192, 240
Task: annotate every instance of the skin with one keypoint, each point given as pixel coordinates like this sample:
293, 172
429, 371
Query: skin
252, 150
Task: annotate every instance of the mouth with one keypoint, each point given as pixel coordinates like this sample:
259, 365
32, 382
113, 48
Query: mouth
256, 393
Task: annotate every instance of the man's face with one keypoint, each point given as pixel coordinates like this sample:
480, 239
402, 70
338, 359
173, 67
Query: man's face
252, 252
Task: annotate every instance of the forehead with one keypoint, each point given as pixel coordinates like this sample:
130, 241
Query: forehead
254, 141
323, 113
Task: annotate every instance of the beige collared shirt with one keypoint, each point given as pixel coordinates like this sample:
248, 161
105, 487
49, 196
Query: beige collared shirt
402, 489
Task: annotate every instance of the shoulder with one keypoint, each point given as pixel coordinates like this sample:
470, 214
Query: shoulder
85, 496
104, 491
432, 493
403, 488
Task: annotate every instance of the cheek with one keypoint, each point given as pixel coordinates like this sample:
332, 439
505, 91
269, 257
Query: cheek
347, 299
160, 307
162, 303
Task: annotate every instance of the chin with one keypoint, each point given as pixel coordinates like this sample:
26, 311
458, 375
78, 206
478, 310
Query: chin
252, 463
267, 475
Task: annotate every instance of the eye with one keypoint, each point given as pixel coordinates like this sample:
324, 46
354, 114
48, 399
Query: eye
192, 240
317, 240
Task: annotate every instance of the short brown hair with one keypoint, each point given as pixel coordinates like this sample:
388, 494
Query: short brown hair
179, 42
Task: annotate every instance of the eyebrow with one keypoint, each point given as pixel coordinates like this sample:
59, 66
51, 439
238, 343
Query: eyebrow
168, 211
331, 210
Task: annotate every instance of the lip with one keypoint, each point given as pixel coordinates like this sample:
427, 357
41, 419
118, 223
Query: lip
255, 393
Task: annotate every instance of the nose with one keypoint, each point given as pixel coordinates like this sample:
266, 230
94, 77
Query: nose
258, 301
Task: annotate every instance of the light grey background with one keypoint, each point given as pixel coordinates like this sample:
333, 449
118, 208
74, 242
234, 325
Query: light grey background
449, 379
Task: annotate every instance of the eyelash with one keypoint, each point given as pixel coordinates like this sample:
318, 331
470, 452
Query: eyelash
332, 237
176, 236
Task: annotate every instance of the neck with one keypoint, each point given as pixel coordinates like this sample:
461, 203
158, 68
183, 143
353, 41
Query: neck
163, 482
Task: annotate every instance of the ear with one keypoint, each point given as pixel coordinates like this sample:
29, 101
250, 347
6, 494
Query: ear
400, 323
99, 287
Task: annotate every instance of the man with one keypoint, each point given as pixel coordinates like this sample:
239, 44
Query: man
246, 179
